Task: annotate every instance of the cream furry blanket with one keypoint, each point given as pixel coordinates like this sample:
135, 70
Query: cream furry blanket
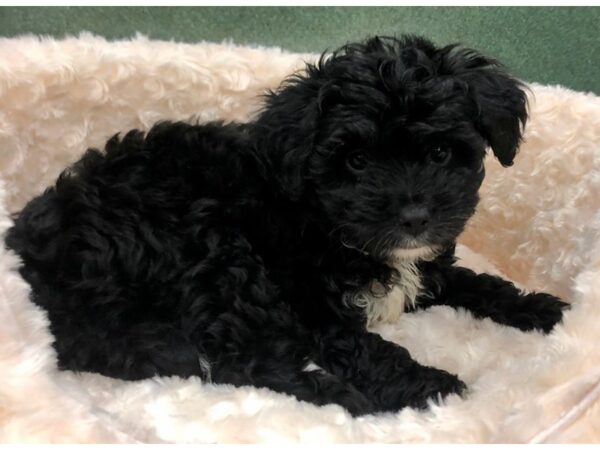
538, 222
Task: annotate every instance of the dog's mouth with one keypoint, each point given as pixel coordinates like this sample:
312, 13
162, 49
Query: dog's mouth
400, 249
414, 253
411, 248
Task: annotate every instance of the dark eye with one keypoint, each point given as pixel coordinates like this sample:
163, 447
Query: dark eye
440, 155
357, 161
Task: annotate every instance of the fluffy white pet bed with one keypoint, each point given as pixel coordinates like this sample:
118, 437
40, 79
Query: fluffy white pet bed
538, 223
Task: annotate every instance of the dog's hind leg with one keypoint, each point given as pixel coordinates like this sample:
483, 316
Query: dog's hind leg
383, 371
141, 351
288, 377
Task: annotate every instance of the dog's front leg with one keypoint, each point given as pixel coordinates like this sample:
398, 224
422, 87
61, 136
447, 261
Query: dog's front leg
383, 371
490, 296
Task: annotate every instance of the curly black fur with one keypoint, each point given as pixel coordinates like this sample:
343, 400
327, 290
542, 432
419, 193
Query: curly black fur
233, 251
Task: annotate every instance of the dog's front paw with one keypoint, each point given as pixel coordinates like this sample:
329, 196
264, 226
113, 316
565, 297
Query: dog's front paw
430, 383
542, 312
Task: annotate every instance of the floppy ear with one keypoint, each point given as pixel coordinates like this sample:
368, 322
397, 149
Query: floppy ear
287, 129
501, 110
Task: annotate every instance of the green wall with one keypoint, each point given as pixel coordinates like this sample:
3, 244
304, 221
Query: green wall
550, 45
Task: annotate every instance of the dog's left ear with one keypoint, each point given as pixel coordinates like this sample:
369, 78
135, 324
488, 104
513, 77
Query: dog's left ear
500, 101
287, 128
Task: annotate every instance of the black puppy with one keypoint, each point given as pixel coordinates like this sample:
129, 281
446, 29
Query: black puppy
249, 253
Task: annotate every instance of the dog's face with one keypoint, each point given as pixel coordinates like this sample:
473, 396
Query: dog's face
392, 183
387, 140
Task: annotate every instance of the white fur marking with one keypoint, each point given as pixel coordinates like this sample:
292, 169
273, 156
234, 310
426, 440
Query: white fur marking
312, 367
391, 306
205, 368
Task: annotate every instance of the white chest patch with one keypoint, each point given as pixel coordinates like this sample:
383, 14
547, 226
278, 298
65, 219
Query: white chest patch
389, 307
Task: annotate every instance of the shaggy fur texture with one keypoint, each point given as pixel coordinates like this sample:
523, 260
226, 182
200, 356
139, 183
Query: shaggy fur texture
510, 374
234, 252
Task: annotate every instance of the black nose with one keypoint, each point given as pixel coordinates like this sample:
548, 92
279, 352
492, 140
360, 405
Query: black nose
414, 219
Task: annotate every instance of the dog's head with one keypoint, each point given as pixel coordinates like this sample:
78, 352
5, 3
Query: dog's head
386, 139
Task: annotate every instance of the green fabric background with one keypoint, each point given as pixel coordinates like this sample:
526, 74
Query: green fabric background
550, 45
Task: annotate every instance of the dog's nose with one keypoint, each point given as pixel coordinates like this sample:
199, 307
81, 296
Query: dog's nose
414, 219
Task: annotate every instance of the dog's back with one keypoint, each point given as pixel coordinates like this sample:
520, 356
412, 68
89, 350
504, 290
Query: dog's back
135, 245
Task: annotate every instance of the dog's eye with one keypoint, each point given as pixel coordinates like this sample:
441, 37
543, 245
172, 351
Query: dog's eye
357, 161
440, 155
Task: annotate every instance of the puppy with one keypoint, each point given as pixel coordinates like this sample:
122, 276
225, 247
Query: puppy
258, 254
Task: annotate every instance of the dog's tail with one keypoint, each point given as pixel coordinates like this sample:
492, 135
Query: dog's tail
36, 239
